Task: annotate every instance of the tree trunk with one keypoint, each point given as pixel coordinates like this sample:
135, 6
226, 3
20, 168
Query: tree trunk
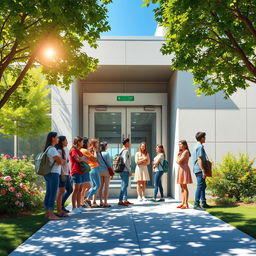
10, 91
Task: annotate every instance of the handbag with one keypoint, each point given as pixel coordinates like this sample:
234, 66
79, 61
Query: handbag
208, 167
110, 170
84, 167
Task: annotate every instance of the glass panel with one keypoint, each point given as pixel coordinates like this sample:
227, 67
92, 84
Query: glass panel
108, 127
6, 145
143, 129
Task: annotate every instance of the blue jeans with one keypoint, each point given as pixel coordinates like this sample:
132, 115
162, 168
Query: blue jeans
200, 189
69, 190
158, 184
52, 185
124, 185
95, 179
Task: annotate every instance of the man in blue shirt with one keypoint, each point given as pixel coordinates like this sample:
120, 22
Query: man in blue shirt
199, 163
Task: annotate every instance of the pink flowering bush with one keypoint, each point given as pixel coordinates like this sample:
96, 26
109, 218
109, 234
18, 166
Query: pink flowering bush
20, 187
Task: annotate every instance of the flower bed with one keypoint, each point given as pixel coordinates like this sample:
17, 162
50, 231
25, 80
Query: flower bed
20, 186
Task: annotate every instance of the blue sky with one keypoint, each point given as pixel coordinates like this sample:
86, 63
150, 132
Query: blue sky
129, 18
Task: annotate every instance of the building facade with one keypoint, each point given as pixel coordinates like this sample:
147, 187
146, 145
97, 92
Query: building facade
134, 94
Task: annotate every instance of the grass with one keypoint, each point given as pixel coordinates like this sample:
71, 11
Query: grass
15, 230
241, 217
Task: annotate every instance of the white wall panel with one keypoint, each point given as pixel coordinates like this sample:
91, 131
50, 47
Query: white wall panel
231, 125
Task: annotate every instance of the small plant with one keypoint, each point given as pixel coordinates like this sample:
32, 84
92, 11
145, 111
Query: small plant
233, 178
19, 185
225, 201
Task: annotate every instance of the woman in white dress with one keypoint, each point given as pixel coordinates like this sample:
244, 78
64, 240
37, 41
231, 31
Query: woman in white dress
142, 161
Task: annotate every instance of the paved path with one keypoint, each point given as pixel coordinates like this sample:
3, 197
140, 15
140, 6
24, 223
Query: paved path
144, 229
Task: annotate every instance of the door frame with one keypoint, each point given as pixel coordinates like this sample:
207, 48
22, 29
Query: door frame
140, 100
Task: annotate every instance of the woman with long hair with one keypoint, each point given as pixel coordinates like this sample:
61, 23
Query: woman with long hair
94, 173
77, 175
52, 178
65, 187
87, 180
105, 164
142, 161
184, 174
158, 169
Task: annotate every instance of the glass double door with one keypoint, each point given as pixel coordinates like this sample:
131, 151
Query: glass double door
139, 125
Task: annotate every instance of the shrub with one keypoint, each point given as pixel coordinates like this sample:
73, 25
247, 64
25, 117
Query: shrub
19, 186
225, 201
233, 177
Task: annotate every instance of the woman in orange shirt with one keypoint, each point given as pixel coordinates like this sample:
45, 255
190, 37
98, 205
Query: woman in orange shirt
86, 176
92, 157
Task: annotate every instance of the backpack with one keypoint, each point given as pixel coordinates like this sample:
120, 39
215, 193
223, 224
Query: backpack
118, 163
165, 165
42, 163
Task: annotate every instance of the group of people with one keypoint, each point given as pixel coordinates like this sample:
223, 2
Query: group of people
68, 179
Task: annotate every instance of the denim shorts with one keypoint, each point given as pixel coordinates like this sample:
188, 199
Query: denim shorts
62, 184
86, 177
77, 178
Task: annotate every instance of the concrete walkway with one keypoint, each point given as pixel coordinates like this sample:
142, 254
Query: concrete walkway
144, 229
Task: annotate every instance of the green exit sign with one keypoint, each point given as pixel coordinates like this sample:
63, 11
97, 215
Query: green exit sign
125, 98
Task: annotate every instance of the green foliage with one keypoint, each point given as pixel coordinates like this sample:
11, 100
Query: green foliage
215, 40
225, 201
29, 28
19, 185
233, 177
27, 111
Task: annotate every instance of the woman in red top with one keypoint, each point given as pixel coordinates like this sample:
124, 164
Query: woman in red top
77, 175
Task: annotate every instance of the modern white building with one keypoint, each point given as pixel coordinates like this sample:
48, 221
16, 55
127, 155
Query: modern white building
135, 94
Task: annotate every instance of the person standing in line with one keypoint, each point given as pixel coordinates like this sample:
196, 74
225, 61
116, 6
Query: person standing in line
86, 176
158, 169
125, 174
64, 178
199, 164
69, 186
142, 161
184, 174
52, 178
105, 164
94, 173
76, 157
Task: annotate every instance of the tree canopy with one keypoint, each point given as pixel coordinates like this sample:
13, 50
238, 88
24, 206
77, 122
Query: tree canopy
50, 33
27, 111
213, 39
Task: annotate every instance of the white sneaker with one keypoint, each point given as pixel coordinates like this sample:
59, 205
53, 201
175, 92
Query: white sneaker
144, 198
139, 198
75, 211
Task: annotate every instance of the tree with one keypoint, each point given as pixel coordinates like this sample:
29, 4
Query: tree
27, 111
213, 39
50, 33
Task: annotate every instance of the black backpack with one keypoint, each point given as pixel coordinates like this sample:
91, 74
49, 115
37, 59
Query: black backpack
118, 163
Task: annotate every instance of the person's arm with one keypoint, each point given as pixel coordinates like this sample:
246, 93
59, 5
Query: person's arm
126, 158
181, 157
157, 161
200, 161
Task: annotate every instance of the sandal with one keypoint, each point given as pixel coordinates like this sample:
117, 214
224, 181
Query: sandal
101, 205
106, 205
88, 202
62, 214
179, 206
94, 206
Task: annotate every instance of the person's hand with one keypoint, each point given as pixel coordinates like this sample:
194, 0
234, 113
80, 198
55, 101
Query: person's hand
204, 176
63, 162
130, 174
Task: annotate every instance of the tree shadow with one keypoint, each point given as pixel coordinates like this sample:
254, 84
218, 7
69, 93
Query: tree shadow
149, 229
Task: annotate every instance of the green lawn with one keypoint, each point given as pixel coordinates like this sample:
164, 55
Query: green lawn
15, 230
241, 217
